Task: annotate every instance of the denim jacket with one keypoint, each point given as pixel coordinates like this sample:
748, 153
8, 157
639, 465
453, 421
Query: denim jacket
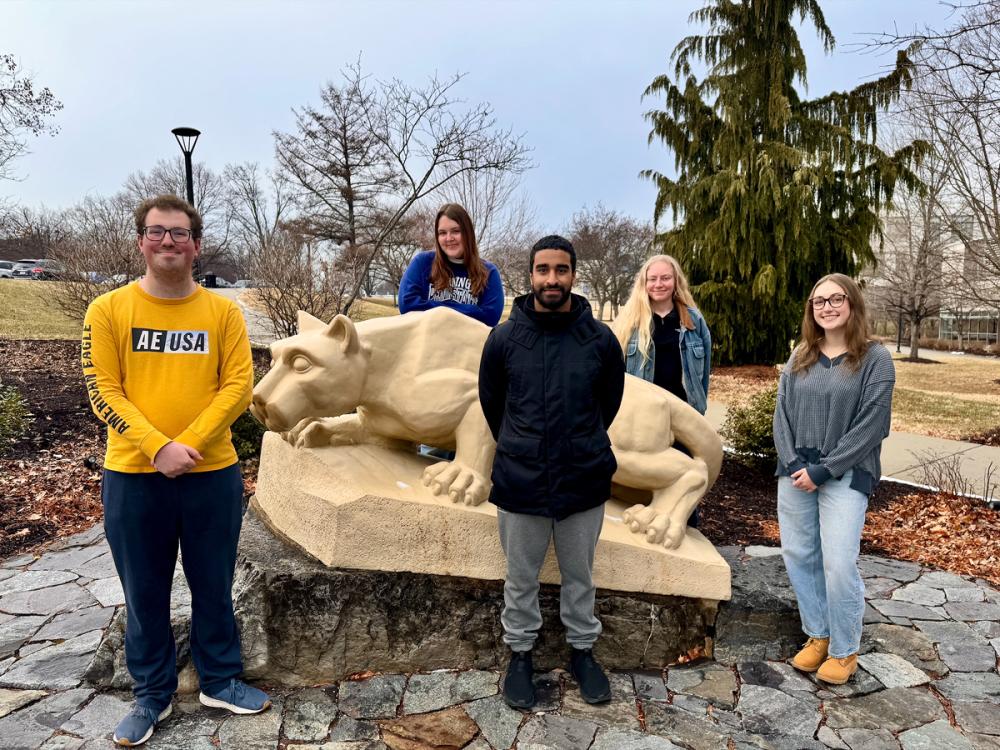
696, 360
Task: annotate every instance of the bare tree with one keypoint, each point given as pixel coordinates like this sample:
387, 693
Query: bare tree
100, 252
360, 162
256, 207
296, 271
24, 111
610, 249
37, 233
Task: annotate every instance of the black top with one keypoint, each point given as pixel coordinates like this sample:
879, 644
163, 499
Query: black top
667, 372
550, 385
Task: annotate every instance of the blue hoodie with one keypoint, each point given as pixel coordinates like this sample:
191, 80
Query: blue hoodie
417, 293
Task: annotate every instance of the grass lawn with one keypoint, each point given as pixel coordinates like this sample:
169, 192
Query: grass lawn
28, 310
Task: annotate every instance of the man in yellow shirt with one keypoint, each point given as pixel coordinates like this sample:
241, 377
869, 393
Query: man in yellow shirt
167, 367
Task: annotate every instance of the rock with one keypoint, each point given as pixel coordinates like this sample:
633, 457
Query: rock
684, 728
880, 588
941, 580
548, 732
257, 732
63, 742
978, 718
933, 736
965, 595
756, 550
450, 729
308, 715
861, 683
897, 570
968, 658
867, 739
497, 721
69, 559
872, 615
913, 645
957, 633
91, 536
98, 718
17, 631
614, 738
65, 597
894, 709
891, 608
188, 731
375, 698
18, 562
970, 686
620, 712
649, 687
712, 682
55, 667
769, 711
32, 725
919, 594
984, 741
72, 624
777, 675
987, 628
303, 623
761, 621
430, 692
548, 692
829, 738
32, 580
108, 591
968, 611
349, 729
11, 700
893, 671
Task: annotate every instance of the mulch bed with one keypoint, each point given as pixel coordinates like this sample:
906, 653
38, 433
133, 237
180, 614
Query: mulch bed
50, 483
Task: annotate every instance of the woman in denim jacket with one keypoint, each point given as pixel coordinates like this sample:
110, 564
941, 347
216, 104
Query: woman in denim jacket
665, 339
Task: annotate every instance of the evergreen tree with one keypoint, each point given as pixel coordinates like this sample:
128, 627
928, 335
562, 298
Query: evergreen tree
773, 191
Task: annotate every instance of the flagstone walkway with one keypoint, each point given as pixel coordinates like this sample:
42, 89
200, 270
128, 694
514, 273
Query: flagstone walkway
928, 680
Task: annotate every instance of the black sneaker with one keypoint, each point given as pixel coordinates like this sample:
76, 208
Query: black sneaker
594, 685
518, 689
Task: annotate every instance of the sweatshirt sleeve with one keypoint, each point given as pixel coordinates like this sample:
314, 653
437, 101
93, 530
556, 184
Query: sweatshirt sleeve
491, 303
493, 383
102, 375
413, 286
235, 386
870, 426
784, 436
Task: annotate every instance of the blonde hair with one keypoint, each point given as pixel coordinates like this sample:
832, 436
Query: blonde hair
637, 315
858, 332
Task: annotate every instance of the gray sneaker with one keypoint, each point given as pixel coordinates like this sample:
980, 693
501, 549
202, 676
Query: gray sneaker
237, 697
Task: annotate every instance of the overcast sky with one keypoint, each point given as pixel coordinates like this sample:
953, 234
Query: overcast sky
569, 75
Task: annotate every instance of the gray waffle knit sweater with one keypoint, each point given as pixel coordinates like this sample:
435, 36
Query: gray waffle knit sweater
830, 419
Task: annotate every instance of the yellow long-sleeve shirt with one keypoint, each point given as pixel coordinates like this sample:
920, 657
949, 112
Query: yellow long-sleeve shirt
158, 370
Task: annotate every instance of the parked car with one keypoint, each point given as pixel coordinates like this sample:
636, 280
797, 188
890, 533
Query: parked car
42, 270
6, 269
246, 284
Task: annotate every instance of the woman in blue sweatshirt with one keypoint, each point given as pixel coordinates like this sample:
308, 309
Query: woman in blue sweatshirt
453, 275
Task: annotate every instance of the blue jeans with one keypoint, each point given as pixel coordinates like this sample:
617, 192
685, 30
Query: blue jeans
820, 541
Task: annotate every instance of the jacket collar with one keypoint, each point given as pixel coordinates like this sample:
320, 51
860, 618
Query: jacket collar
526, 329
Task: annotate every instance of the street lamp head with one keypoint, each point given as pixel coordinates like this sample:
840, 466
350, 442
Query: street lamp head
186, 138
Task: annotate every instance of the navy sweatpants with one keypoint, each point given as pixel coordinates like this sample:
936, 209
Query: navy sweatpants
146, 517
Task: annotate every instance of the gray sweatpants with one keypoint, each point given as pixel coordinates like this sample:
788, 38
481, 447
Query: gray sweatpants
525, 540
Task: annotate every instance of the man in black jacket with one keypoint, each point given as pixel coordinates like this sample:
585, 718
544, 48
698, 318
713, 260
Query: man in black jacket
550, 383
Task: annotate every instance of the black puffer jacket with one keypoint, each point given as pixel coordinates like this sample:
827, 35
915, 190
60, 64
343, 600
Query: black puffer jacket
550, 385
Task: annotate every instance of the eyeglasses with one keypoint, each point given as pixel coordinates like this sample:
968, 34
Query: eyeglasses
835, 300
157, 233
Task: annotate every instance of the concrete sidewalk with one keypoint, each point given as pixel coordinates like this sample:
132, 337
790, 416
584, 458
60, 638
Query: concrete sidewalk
904, 455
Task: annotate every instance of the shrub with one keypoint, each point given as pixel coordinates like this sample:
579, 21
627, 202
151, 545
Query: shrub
247, 431
750, 431
14, 418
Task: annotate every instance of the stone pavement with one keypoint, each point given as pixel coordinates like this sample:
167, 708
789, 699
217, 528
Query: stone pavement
928, 680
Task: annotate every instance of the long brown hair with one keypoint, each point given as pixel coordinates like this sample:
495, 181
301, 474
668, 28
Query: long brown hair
637, 315
441, 272
859, 333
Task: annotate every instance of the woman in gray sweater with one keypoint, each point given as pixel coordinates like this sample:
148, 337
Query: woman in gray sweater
833, 412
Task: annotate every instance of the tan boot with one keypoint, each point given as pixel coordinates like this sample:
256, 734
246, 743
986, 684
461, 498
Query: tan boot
812, 655
838, 671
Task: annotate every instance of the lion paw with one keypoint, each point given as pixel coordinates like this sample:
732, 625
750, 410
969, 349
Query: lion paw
654, 525
461, 483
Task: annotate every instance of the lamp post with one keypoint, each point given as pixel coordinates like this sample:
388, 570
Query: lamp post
187, 138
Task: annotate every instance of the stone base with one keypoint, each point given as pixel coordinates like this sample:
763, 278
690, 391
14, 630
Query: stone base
366, 507
303, 623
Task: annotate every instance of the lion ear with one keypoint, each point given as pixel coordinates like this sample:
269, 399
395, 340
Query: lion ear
309, 323
342, 329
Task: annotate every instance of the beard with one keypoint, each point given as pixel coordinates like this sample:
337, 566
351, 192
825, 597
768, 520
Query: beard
551, 302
